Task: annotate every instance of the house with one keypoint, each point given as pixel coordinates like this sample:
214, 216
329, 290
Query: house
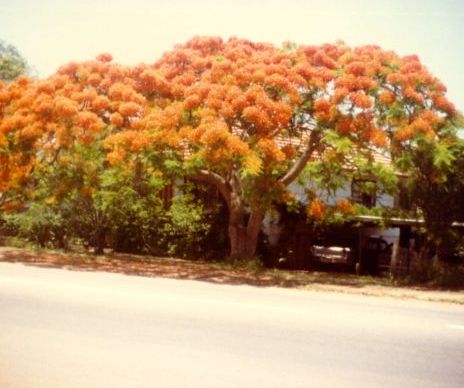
358, 233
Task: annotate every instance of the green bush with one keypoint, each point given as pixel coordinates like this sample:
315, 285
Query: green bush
451, 276
133, 221
438, 273
186, 227
40, 224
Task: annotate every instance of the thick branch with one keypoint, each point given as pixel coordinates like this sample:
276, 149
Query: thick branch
236, 182
300, 164
255, 220
215, 180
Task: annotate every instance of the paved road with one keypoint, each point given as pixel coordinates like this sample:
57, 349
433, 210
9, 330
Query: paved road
74, 329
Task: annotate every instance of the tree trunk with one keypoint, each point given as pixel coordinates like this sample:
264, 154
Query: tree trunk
243, 232
244, 227
99, 246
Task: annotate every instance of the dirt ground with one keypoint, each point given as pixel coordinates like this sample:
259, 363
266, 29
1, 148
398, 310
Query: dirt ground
214, 272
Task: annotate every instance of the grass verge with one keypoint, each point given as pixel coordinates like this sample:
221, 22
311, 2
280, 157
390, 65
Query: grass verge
228, 273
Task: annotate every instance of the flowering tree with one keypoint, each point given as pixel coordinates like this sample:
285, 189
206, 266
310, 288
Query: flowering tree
17, 154
52, 133
248, 117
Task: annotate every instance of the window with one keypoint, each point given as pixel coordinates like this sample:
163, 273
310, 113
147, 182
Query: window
363, 192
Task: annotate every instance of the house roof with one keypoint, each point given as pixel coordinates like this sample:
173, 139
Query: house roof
300, 143
397, 221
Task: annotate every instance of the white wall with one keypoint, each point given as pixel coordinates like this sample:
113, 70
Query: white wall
384, 200
390, 235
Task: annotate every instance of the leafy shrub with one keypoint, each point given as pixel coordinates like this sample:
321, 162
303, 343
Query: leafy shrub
133, 221
438, 273
41, 224
450, 276
186, 227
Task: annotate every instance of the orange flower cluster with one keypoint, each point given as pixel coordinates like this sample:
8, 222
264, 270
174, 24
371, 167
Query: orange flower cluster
192, 101
345, 125
116, 119
441, 103
322, 109
356, 68
101, 103
89, 120
378, 137
387, 97
128, 109
316, 209
270, 150
289, 151
321, 58
340, 95
361, 100
345, 206
104, 57
65, 107
230, 101
411, 94
404, 133
257, 117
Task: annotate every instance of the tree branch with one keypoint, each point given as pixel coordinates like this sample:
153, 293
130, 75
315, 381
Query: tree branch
215, 180
300, 164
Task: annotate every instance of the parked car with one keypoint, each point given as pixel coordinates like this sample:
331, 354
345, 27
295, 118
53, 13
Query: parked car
332, 254
374, 257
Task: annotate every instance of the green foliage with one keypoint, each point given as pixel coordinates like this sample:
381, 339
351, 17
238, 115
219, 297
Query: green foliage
437, 273
383, 178
124, 210
135, 226
41, 224
185, 229
342, 144
443, 156
434, 189
12, 64
132, 208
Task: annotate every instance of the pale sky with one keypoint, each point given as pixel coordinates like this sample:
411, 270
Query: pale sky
50, 33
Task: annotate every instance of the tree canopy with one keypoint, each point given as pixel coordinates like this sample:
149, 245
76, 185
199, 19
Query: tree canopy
247, 118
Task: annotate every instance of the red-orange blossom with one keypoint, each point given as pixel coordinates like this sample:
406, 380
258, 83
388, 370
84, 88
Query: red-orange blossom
245, 117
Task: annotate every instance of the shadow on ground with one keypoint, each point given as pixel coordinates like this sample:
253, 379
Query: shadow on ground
221, 273
185, 269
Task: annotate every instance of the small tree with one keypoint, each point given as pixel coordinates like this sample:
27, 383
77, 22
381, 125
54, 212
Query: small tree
12, 64
435, 184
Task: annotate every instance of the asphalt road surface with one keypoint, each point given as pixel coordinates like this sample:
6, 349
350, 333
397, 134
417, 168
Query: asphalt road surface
74, 329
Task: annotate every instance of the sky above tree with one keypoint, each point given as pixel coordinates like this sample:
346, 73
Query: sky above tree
50, 33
